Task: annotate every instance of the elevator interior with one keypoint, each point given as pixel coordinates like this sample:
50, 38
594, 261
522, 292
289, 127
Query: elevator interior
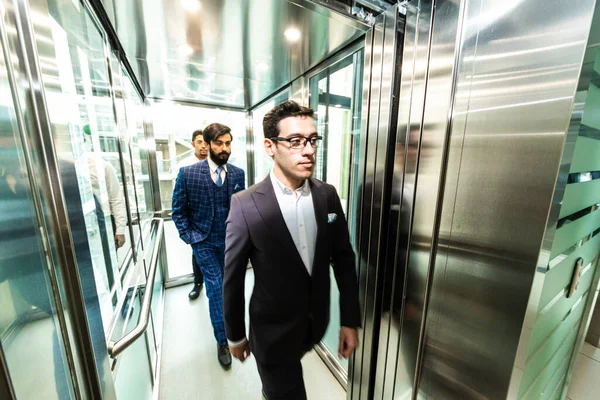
460, 135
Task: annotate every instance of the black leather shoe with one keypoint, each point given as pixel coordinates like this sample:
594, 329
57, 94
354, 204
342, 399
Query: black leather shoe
224, 355
195, 291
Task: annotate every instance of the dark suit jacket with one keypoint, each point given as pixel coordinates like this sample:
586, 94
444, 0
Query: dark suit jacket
193, 199
286, 301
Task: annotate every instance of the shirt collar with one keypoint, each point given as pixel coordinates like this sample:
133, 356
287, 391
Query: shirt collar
213, 165
277, 184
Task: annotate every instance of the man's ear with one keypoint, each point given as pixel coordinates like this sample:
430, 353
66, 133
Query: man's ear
269, 147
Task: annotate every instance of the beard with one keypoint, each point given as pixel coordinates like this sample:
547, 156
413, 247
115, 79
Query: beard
219, 158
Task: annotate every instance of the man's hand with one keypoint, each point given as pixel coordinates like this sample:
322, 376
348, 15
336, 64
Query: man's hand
119, 241
241, 351
348, 341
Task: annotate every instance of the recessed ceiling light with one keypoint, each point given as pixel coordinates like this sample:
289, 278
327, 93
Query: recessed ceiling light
187, 49
192, 6
292, 34
338, 105
262, 66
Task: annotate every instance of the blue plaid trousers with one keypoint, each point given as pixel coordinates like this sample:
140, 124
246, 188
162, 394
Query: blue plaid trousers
210, 255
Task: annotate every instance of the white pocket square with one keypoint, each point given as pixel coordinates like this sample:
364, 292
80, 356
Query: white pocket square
236, 186
331, 218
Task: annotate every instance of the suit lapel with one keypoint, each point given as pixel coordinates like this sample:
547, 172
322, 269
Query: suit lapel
319, 197
268, 208
229, 181
208, 181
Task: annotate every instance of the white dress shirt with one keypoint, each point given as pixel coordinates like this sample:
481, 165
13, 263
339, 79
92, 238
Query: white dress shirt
213, 170
115, 203
299, 215
186, 162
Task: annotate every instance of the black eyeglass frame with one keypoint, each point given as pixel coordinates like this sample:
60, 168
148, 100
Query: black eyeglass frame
306, 140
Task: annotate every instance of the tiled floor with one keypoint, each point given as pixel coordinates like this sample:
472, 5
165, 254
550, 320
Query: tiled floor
585, 384
189, 367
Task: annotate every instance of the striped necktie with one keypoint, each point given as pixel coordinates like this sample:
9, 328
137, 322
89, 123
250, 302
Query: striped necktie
219, 180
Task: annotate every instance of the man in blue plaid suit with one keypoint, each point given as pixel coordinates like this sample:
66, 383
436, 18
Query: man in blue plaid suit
201, 201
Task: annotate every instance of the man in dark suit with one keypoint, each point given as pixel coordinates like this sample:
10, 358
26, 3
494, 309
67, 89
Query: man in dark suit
200, 154
292, 228
201, 200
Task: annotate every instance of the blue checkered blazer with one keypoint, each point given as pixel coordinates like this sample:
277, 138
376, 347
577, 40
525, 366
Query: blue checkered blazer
193, 198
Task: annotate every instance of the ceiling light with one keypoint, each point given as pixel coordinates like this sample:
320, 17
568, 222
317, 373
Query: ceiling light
292, 34
187, 49
192, 6
338, 105
262, 66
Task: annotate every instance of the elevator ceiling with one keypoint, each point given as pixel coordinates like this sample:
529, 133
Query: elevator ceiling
226, 52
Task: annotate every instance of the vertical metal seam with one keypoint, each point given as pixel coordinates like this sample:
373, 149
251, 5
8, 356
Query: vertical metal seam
61, 223
450, 120
407, 143
441, 186
326, 133
250, 167
371, 214
389, 249
37, 205
367, 59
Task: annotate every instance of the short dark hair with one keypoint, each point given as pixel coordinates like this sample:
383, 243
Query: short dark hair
215, 130
284, 110
196, 133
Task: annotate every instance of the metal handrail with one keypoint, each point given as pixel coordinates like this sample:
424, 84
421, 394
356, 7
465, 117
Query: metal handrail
116, 348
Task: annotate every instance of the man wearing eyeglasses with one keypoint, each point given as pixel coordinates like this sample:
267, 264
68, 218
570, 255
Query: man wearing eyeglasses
201, 200
292, 228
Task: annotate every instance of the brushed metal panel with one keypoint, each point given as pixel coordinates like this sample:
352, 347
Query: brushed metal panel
391, 362
517, 67
354, 364
362, 378
380, 134
227, 52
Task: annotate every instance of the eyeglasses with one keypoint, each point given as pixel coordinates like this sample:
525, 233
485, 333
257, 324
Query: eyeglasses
299, 142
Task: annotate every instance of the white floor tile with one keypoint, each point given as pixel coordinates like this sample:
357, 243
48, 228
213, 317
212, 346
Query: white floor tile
591, 351
190, 369
585, 384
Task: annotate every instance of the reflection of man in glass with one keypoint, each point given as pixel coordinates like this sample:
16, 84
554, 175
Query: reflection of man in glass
23, 267
200, 154
114, 205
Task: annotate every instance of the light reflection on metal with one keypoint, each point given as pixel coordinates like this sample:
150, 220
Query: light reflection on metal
192, 6
228, 39
292, 34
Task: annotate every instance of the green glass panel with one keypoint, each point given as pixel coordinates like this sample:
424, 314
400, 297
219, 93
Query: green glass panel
592, 104
559, 276
579, 196
551, 319
571, 232
587, 155
553, 368
540, 358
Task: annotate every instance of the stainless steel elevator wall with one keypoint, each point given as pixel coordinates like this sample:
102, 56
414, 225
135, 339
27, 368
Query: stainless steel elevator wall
511, 70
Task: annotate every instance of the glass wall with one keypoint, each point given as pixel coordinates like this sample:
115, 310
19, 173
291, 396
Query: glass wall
335, 95
174, 124
30, 334
262, 162
98, 137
